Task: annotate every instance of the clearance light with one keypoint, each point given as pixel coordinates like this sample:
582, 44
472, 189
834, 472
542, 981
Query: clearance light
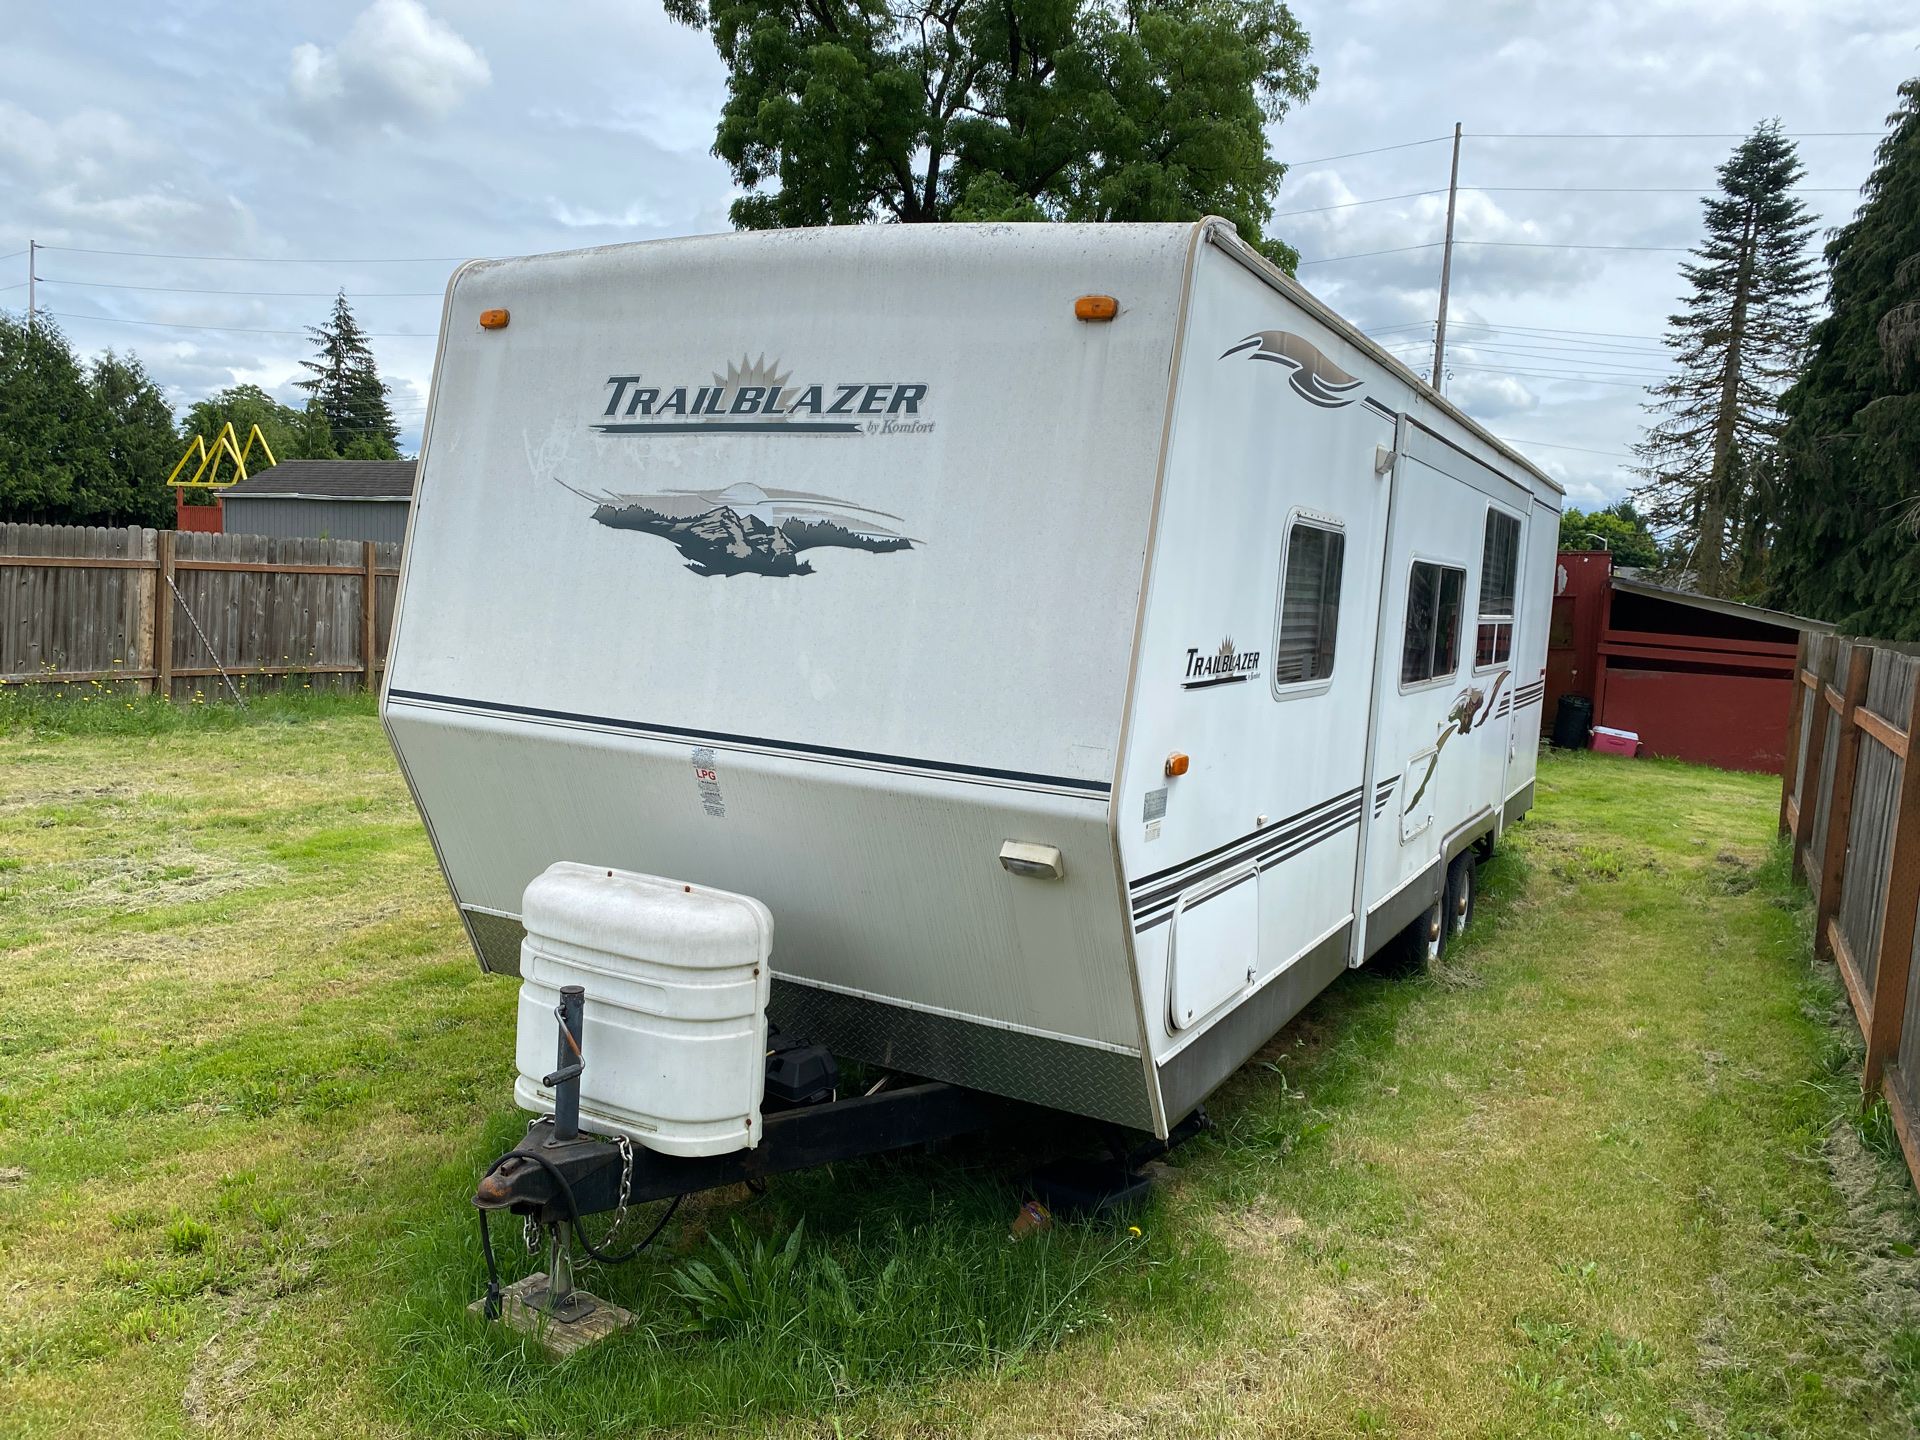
1096, 307
1036, 862
1177, 764
494, 319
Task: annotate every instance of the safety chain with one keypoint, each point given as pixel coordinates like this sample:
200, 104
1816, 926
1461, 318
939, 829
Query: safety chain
205, 643
626, 1187
530, 1229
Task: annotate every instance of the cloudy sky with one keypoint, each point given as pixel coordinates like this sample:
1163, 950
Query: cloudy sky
372, 145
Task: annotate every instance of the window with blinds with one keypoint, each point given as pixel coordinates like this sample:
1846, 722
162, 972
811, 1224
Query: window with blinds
1499, 568
1431, 647
1309, 603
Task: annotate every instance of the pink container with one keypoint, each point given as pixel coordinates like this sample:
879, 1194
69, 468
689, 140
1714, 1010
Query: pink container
1609, 741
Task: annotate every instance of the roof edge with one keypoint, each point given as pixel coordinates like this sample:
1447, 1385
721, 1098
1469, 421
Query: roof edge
1735, 608
1222, 233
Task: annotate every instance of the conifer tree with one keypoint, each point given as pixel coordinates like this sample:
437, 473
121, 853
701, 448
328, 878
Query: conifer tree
345, 384
1736, 346
1851, 451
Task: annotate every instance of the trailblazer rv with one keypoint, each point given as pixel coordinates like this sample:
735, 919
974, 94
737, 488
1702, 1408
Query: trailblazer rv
1034, 658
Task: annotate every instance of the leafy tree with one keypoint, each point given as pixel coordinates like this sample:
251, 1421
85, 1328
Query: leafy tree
345, 384
1618, 528
52, 449
141, 442
1850, 481
1736, 345
291, 434
845, 111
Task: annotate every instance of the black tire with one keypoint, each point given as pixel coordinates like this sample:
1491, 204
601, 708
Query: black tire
1419, 946
1463, 890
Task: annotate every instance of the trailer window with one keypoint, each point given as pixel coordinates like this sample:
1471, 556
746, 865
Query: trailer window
1499, 566
1309, 603
1432, 646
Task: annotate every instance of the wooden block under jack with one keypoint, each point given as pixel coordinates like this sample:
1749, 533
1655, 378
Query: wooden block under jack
560, 1338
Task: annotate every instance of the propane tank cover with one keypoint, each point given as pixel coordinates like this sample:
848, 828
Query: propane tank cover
677, 978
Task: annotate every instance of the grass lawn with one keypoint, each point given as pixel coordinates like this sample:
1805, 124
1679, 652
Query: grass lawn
1601, 1174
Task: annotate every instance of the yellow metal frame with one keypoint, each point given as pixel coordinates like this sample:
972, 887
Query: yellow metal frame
226, 443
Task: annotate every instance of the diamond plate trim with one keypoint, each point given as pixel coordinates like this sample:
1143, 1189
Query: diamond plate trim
1055, 1073
496, 940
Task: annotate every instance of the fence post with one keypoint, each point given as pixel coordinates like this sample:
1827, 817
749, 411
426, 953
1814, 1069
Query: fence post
1840, 806
1817, 712
1897, 913
163, 617
369, 609
1796, 716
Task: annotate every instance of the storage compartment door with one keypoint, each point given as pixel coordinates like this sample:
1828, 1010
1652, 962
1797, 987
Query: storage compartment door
1214, 948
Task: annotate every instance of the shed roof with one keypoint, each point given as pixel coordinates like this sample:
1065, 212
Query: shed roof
331, 480
1636, 586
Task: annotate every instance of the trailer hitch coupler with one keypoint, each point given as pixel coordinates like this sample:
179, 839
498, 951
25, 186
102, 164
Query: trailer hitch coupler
565, 1079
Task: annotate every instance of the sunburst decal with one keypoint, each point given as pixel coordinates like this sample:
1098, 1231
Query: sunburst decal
749, 372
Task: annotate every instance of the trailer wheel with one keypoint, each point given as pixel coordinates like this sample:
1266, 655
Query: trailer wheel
1418, 946
1463, 889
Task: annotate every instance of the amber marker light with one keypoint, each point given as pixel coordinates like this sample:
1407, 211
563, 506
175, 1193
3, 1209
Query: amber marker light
1176, 764
1096, 307
494, 319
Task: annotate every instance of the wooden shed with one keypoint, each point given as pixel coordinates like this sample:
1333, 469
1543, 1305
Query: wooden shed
1696, 678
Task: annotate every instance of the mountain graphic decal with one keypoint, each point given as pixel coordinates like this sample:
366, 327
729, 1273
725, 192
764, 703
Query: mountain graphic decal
747, 530
1313, 376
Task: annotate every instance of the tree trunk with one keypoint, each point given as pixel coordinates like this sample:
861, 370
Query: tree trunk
1715, 504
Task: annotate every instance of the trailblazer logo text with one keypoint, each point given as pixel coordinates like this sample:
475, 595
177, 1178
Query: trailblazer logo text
1225, 666
755, 397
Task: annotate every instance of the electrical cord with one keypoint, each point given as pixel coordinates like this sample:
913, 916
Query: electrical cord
573, 1211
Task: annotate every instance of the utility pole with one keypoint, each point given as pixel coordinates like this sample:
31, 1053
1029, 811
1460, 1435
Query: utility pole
32, 246
1446, 261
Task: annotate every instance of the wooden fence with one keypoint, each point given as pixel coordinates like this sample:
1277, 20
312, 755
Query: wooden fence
1851, 802
177, 613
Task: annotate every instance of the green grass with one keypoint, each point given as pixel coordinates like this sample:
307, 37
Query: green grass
1603, 1173
100, 707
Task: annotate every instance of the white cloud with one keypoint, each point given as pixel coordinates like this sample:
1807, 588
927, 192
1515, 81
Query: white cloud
396, 61
636, 216
1491, 398
93, 171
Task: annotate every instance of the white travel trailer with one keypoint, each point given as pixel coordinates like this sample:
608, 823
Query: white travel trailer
1077, 641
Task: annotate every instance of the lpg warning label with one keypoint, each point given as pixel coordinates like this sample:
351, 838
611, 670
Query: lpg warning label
706, 777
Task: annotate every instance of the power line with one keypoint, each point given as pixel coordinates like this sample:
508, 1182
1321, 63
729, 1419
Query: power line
237, 329
1562, 357
1350, 204
1579, 449
1504, 244
1560, 245
1614, 348
267, 259
1681, 135
1548, 190
1377, 150
1367, 254
1543, 330
1641, 189
12, 255
1544, 338
1549, 375
277, 294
